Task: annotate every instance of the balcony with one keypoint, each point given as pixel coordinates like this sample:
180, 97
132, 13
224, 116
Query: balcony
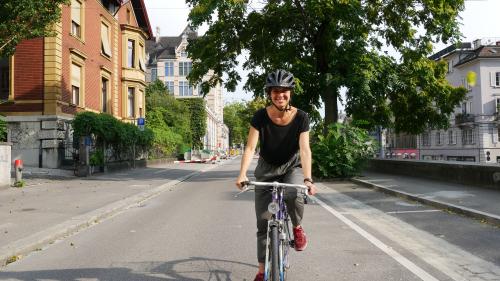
463, 119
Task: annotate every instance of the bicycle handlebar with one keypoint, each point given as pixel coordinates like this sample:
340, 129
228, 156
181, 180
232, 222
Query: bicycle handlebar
274, 184
257, 184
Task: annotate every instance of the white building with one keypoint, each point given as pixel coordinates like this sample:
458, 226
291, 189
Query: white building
167, 60
474, 129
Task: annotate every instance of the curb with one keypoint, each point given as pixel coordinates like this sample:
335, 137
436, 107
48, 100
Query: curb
17, 249
476, 214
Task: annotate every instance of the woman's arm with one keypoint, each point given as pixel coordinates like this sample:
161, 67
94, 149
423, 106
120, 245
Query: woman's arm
306, 160
253, 137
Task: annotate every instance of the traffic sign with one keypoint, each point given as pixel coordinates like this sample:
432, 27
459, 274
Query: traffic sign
141, 121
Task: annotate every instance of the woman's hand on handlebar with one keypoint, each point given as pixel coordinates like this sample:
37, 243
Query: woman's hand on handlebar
239, 182
311, 188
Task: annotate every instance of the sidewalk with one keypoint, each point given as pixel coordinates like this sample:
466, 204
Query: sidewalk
477, 202
49, 209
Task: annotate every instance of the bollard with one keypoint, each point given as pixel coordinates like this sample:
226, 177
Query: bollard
18, 166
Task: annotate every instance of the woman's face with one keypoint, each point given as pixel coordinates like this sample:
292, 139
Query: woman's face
280, 96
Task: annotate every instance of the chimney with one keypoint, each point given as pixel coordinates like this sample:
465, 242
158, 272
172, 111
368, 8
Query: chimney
157, 34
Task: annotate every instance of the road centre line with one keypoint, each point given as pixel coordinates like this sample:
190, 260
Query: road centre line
414, 211
415, 269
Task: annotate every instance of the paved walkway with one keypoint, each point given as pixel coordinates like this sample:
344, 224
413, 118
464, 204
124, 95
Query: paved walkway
477, 202
48, 209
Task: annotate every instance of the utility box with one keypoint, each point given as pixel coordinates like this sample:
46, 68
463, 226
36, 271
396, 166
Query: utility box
5, 163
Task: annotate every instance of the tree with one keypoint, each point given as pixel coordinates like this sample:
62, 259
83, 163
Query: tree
237, 117
333, 44
232, 118
26, 19
174, 113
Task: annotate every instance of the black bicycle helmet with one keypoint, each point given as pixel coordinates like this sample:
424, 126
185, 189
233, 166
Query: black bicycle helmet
280, 78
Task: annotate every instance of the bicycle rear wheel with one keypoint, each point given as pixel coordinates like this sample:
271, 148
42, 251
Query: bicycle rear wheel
275, 245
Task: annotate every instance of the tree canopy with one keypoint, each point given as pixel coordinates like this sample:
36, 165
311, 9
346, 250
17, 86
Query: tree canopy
26, 19
237, 117
333, 44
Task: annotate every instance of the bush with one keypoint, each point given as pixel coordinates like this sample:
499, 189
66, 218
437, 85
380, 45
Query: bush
3, 130
106, 129
342, 152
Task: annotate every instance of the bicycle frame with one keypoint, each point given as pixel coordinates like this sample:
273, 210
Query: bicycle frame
280, 222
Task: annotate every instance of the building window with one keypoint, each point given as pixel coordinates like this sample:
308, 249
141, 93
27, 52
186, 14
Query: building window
154, 74
170, 87
128, 16
185, 89
452, 137
184, 54
169, 69
105, 87
4, 78
131, 102
184, 68
466, 84
130, 53
426, 139
467, 107
76, 78
76, 18
438, 138
468, 136
450, 66
495, 79
105, 40
498, 132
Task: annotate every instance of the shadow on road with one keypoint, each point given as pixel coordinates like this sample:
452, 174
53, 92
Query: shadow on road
189, 269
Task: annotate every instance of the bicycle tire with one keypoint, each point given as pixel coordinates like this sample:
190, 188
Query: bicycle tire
275, 262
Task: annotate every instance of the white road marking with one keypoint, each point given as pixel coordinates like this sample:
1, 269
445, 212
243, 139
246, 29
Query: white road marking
449, 259
414, 211
419, 272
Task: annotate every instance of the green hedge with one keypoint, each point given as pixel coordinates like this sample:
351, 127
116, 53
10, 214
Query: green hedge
105, 128
3, 129
342, 152
198, 122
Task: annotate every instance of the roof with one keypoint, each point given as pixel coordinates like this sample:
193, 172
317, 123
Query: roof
166, 45
481, 52
449, 50
142, 16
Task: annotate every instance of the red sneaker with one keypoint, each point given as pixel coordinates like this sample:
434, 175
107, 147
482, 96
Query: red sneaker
259, 277
300, 238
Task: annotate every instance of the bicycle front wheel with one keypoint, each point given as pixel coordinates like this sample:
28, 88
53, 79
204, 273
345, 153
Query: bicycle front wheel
275, 262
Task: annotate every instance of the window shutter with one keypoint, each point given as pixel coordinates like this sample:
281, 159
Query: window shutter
75, 75
76, 9
492, 79
105, 40
142, 66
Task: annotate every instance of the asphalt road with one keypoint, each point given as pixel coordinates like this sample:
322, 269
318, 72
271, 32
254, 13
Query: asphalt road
200, 231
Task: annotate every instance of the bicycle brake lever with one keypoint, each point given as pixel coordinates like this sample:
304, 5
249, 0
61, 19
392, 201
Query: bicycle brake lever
242, 191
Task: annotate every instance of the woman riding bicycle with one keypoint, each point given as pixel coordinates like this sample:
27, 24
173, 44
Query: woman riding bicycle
285, 156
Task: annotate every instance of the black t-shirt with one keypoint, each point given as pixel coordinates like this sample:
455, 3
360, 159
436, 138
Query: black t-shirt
279, 143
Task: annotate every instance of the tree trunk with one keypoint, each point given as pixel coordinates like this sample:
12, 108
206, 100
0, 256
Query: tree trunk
329, 97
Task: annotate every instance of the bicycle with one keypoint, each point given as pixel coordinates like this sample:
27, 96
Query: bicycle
279, 238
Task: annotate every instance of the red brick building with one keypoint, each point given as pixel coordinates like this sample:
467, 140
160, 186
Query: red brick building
95, 62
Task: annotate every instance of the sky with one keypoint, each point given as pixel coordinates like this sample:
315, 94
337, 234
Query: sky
479, 19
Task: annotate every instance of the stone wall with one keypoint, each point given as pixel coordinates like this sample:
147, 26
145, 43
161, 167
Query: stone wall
484, 175
38, 140
5, 164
